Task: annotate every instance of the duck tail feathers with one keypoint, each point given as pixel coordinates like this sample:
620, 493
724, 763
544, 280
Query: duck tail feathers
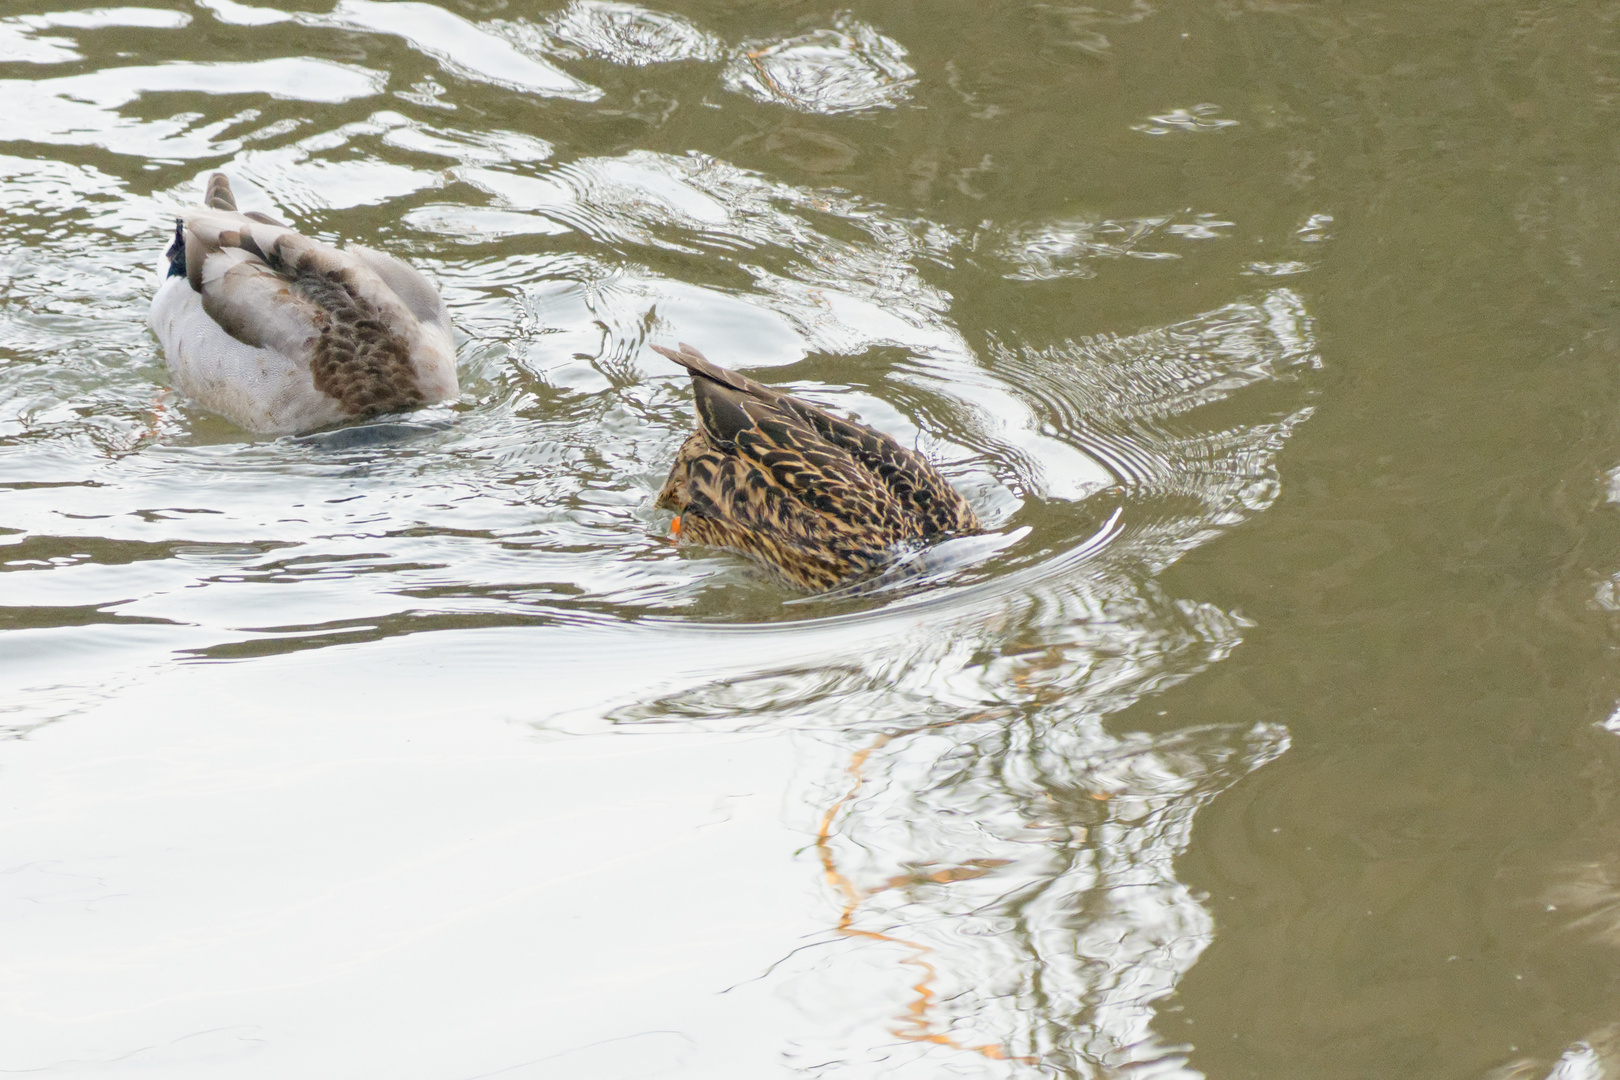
218, 196
701, 366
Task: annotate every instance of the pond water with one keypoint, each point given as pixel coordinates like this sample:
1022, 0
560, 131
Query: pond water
1265, 733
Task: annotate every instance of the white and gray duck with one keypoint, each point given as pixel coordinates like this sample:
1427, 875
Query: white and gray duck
282, 334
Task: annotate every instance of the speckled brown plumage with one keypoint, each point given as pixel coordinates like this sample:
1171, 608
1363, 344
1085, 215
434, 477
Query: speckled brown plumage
356, 358
818, 499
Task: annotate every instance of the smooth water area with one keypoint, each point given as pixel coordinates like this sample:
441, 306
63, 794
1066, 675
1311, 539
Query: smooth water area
1266, 733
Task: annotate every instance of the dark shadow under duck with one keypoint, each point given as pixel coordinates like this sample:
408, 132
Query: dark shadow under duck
817, 499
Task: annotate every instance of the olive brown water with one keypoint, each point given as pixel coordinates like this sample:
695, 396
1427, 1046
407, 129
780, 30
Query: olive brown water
1265, 732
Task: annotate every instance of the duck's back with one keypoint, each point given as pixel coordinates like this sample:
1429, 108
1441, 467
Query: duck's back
817, 497
281, 333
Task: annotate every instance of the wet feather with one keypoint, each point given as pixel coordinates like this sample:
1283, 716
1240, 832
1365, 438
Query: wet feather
282, 334
817, 498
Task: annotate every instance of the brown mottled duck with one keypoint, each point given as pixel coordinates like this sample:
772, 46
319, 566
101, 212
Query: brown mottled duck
817, 499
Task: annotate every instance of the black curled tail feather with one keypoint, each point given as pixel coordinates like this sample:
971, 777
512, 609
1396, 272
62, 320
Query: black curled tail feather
176, 253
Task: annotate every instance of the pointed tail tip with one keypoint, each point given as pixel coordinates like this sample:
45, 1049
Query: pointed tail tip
686, 356
218, 195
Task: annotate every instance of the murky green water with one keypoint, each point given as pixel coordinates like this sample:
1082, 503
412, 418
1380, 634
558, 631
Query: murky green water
1265, 735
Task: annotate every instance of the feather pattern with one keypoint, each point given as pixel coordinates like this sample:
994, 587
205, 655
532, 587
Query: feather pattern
817, 498
281, 333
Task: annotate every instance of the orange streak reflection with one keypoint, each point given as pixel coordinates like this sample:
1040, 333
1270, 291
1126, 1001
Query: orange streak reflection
914, 1024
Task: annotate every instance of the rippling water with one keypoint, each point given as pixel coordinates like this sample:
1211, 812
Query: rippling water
415, 749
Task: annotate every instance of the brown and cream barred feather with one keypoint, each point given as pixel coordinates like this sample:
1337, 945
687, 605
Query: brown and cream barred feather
818, 499
356, 355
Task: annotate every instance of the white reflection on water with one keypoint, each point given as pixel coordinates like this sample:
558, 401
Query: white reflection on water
464, 49
82, 110
20, 40
236, 14
290, 784
1592, 1058
1029, 865
1079, 22
622, 33
1064, 249
847, 67
1579, 1062
1205, 117
999, 877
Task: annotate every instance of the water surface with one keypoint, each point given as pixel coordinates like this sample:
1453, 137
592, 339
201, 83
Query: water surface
1264, 734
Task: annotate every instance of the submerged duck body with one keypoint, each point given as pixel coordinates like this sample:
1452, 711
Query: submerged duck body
818, 499
282, 334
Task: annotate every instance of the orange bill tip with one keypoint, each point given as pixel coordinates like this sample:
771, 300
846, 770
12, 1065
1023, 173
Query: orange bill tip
675, 526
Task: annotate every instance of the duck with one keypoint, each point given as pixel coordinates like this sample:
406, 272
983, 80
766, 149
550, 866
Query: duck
282, 334
816, 499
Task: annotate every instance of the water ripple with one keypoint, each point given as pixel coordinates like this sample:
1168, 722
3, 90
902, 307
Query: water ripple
20, 40
82, 110
621, 33
994, 844
848, 67
462, 47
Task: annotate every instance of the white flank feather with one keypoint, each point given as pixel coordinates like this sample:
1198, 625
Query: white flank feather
283, 334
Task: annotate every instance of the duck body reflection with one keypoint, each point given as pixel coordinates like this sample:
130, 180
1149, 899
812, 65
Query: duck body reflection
816, 499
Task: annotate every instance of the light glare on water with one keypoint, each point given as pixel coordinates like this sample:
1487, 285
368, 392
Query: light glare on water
414, 749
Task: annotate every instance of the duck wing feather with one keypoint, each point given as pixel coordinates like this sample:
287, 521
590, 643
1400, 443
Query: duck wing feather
847, 470
788, 476
358, 318
408, 283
